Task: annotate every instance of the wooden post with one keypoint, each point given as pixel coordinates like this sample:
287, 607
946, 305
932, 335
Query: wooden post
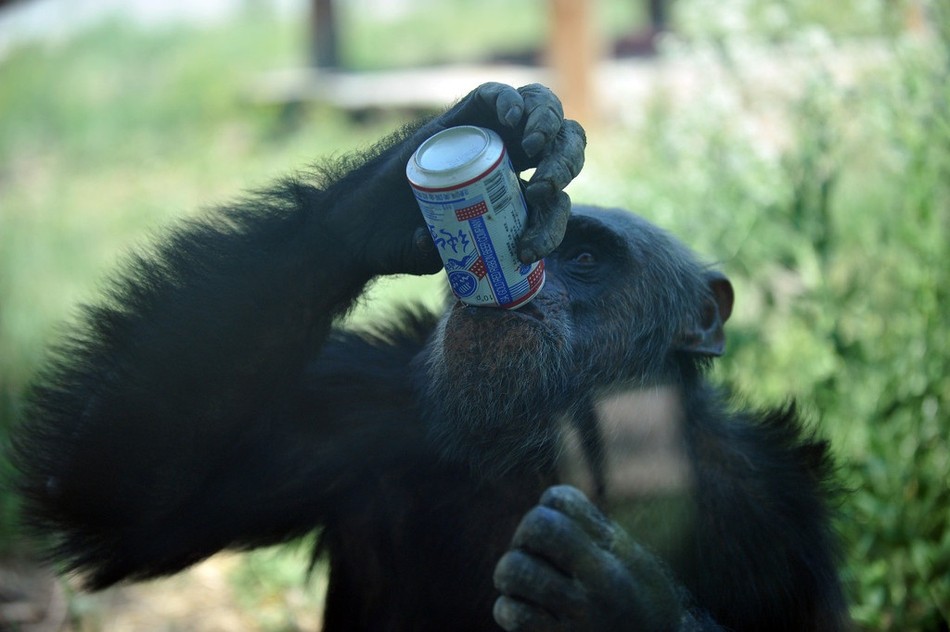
573, 53
324, 45
915, 17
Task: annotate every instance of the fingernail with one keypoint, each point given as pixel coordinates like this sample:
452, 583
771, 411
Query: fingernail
533, 143
422, 240
528, 254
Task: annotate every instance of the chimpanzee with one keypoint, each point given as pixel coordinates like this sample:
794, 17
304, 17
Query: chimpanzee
212, 400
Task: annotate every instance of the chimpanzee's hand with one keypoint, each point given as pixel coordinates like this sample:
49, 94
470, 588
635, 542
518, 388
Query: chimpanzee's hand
394, 239
570, 568
530, 120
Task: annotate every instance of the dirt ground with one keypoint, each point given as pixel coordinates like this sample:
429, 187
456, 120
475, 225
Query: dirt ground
206, 598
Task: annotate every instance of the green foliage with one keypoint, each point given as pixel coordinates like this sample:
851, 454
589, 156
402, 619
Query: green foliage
269, 586
826, 197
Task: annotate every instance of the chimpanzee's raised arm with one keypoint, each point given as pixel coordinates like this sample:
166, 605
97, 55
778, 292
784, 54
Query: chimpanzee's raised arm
160, 431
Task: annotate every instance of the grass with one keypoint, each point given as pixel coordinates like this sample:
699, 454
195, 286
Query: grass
827, 204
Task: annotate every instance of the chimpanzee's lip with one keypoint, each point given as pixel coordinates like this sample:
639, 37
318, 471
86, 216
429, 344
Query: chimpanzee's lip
531, 310
528, 311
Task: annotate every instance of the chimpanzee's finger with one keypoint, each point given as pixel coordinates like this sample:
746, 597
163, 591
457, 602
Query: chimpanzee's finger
571, 502
545, 116
602, 532
489, 104
510, 106
514, 615
547, 223
556, 538
533, 580
423, 256
560, 164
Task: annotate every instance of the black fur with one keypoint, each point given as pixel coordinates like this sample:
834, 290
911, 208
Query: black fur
207, 403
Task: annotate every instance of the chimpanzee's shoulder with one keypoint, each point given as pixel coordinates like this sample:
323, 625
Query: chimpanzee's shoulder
787, 430
774, 445
767, 487
394, 341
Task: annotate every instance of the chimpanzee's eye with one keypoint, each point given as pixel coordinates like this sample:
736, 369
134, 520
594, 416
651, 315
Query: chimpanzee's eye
584, 258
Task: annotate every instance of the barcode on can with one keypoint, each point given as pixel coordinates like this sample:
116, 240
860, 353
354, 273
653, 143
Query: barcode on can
497, 191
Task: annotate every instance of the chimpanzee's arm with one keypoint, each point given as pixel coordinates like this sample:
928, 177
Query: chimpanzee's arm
172, 423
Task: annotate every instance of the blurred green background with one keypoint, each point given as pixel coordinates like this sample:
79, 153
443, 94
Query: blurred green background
809, 154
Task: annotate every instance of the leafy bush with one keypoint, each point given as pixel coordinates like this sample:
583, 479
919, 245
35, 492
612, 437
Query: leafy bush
818, 169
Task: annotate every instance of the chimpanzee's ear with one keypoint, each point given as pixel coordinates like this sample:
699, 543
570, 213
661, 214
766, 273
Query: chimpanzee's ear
708, 337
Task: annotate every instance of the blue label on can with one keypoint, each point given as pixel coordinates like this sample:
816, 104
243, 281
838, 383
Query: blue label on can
463, 283
486, 248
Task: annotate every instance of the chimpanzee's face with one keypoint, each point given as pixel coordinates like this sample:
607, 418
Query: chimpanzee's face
618, 295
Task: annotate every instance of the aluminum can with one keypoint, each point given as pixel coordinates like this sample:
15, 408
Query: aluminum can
471, 199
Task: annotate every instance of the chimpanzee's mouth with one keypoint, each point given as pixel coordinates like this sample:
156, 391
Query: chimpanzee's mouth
547, 315
529, 311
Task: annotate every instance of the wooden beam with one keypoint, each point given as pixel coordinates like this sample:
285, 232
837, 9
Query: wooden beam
573, 53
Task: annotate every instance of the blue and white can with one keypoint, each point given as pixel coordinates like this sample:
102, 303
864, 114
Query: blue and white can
472, 203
